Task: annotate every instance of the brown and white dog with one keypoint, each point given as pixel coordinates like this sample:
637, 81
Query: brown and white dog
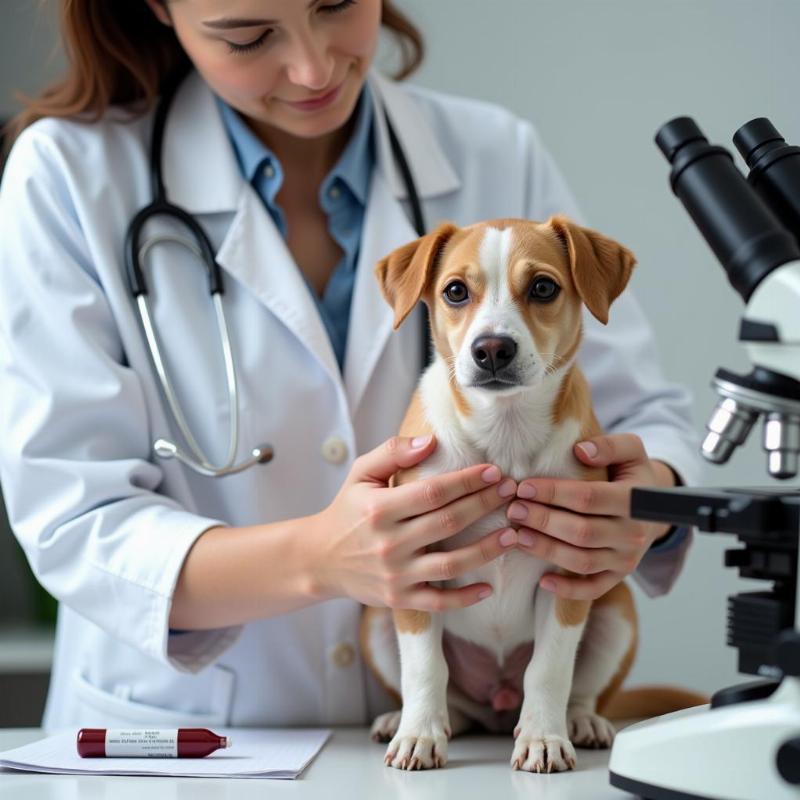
505, 300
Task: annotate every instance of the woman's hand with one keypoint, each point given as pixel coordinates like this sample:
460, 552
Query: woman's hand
369, 544
585, 526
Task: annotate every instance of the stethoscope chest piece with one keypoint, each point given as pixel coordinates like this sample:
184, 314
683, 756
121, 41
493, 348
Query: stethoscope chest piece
259, 455
198, 243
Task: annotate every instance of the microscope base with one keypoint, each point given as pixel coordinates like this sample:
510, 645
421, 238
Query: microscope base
700, 753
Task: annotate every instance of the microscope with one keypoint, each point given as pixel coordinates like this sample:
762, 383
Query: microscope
745, 744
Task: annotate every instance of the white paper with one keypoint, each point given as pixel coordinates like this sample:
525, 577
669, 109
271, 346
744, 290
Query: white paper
254, 753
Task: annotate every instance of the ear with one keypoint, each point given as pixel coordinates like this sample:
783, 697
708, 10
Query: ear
601, 267
404, 274
159, 8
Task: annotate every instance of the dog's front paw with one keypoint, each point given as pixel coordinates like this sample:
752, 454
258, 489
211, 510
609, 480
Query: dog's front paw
385, 726
542, 752
420, 746
587, 729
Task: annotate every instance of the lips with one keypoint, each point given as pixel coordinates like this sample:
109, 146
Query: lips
495, 384
317, 102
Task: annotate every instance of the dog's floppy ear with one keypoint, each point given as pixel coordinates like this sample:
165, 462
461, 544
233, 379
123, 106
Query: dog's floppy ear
405, 272
601, 267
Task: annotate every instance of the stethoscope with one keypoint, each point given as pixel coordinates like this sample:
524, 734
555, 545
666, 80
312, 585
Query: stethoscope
199, 244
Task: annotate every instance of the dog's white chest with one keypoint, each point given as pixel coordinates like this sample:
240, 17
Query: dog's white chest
505, 620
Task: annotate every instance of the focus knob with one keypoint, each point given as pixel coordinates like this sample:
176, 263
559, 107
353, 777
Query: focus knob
788, 761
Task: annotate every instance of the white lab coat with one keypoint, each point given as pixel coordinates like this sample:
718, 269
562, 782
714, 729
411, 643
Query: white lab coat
104, 524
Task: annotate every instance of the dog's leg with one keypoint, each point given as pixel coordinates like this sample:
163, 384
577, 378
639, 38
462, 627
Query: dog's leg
604, 658
386, 725
542, 744
421, 739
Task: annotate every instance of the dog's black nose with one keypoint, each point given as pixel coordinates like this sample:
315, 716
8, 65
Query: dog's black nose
492, 353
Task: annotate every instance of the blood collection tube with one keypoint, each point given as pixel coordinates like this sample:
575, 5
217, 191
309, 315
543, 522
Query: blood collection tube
149, 743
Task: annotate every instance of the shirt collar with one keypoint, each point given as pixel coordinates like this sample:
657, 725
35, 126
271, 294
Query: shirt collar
195, 129
353, 167
355, 164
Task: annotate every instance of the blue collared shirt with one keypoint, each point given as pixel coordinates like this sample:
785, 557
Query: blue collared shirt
342, 196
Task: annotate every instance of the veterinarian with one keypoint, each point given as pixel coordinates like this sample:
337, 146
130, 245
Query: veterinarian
218, 586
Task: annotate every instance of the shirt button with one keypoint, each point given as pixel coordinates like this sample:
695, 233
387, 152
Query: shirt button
269, 170
334, 450
343, 654
334, 192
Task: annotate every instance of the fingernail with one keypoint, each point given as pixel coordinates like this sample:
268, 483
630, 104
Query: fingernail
548, 584
526, 538
484, 593
527, 491
508, 537
491, 474
589, 448
517, 511
507, 488
420, 441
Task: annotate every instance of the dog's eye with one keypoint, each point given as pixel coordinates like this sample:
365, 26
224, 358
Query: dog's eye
456, 292
544, 290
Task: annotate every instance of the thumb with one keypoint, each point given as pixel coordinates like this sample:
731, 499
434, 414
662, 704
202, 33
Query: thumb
399, 452
616, 448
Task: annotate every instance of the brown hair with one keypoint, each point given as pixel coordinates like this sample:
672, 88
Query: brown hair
119, 53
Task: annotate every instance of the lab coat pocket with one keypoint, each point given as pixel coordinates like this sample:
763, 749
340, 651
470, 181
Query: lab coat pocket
102, 708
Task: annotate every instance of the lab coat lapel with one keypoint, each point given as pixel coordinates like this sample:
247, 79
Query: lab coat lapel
387, 224
386, 227
433, 173
255, 253
199, 165
205, 178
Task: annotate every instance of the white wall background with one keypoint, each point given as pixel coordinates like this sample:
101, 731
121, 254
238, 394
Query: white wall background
598, 77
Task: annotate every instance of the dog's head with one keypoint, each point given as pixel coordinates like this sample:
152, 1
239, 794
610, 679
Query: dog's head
505, 296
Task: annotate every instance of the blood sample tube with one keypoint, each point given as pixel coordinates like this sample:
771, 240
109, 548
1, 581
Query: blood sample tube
149, 743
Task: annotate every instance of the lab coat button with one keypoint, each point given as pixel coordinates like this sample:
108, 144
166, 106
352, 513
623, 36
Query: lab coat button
269, 170
334, 450
343, 654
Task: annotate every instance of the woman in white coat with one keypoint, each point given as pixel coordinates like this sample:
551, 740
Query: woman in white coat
193, 600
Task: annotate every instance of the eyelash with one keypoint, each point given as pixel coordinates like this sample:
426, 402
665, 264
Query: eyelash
256, 43
246, 48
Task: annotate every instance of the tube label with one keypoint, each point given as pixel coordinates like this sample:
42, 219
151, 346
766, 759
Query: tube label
141, 744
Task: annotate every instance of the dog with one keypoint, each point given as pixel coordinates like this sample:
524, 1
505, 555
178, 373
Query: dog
505, 300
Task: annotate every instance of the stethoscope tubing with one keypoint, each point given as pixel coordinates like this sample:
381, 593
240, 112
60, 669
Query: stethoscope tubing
135, 254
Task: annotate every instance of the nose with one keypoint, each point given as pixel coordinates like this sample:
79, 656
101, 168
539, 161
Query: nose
492, 353
309, 64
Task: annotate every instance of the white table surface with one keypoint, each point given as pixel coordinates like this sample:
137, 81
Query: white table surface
349, 766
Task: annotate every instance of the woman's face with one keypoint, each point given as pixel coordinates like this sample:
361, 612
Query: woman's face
294, 65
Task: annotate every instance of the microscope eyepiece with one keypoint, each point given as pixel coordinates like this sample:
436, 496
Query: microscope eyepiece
774, 169
754, 135
745, 235
677, 133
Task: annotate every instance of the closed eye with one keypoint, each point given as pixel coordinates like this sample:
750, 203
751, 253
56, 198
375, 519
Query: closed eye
249, 46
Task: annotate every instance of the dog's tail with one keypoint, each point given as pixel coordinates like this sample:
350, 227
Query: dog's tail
650, 701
